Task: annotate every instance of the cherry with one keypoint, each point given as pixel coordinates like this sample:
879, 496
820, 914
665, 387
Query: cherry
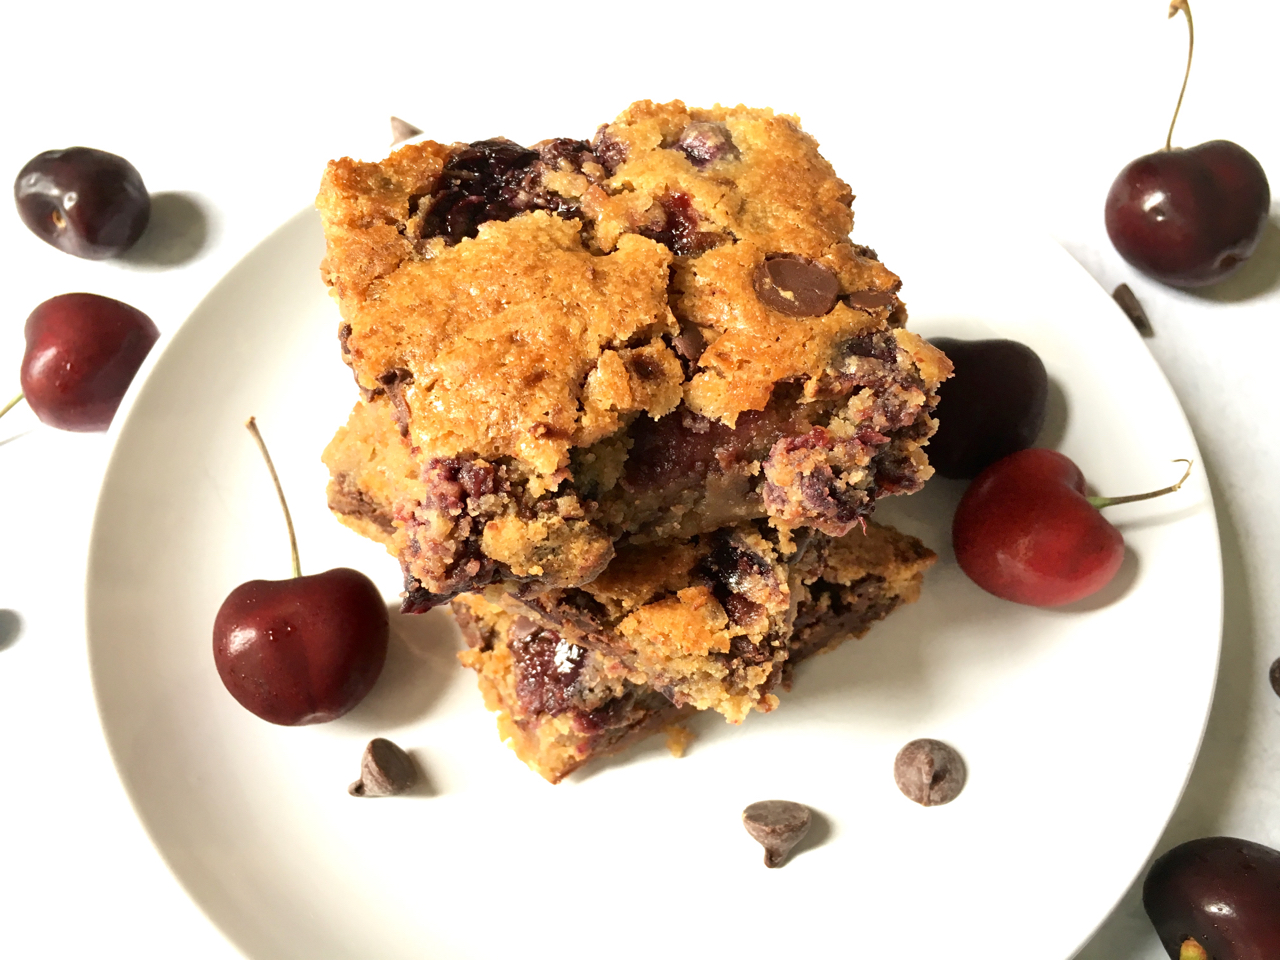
1189, 217
1216, 897
1026, 532
85, 202
303, 650
82, 353
993, 405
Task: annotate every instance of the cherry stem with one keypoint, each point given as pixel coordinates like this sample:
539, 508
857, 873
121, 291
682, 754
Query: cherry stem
1185, 7
1191, 950
252, 424
11, 404
1101, 502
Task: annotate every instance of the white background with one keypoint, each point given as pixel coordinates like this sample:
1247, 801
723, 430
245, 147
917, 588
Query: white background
1017, 112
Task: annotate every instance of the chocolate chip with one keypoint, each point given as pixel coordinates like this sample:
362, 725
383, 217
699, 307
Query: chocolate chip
402, 130
1133, 310
385, 770
777, 825
796, 286
869, 299
929, 772
1275, 677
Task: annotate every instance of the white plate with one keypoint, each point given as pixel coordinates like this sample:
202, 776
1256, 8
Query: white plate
1079, 726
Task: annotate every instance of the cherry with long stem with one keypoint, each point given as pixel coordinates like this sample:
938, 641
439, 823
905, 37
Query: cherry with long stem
302, 650
1189, 217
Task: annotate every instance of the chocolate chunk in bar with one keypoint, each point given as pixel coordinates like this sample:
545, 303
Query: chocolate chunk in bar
796, 286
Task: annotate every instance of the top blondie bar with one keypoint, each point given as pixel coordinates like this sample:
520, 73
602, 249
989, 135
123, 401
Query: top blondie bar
656, 334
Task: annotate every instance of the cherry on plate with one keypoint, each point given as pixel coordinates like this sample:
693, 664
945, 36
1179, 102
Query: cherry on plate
82, 353
302, 650
1025, 530
993, 405
86, 202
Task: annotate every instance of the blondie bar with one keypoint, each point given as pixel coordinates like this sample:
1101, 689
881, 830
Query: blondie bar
645, 338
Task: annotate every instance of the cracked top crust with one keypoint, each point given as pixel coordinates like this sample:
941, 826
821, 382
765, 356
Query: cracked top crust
518, 303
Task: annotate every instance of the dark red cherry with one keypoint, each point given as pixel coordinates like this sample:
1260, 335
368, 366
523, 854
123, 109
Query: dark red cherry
82, 353
1189, 217
1025, 531
992, 406
303, 650
85, 202
1221, 893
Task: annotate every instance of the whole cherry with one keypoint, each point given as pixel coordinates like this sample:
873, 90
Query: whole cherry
993, 405
1025, 530
1189, 217
85, 202
82, 353
1216, 898
302, 650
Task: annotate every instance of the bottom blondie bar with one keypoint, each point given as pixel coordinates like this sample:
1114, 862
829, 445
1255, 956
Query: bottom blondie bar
562, 673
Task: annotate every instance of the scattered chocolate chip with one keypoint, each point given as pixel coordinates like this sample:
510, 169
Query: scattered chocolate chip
1133, 310
1275, 677
385, 770
705, 143
777, 825
796, 286
869, 299
929, 772
402, 130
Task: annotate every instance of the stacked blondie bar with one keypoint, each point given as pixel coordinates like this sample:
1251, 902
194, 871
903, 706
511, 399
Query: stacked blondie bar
627, 406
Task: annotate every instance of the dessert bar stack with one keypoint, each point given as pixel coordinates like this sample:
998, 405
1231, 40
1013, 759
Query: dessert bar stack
626, 405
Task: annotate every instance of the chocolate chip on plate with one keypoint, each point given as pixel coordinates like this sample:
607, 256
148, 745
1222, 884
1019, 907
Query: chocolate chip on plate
1275, 677
778, 825
385, 770
796, 286
929, 772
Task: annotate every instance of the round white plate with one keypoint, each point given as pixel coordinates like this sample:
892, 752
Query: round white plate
1079, 726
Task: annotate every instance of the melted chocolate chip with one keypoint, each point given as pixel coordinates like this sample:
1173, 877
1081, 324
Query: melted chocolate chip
393, 382
796, 286
929, 772
705, 143
869, 299
777, 825
385, 770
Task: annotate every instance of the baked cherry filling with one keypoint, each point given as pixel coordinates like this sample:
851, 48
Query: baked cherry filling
546, 669
497, 180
